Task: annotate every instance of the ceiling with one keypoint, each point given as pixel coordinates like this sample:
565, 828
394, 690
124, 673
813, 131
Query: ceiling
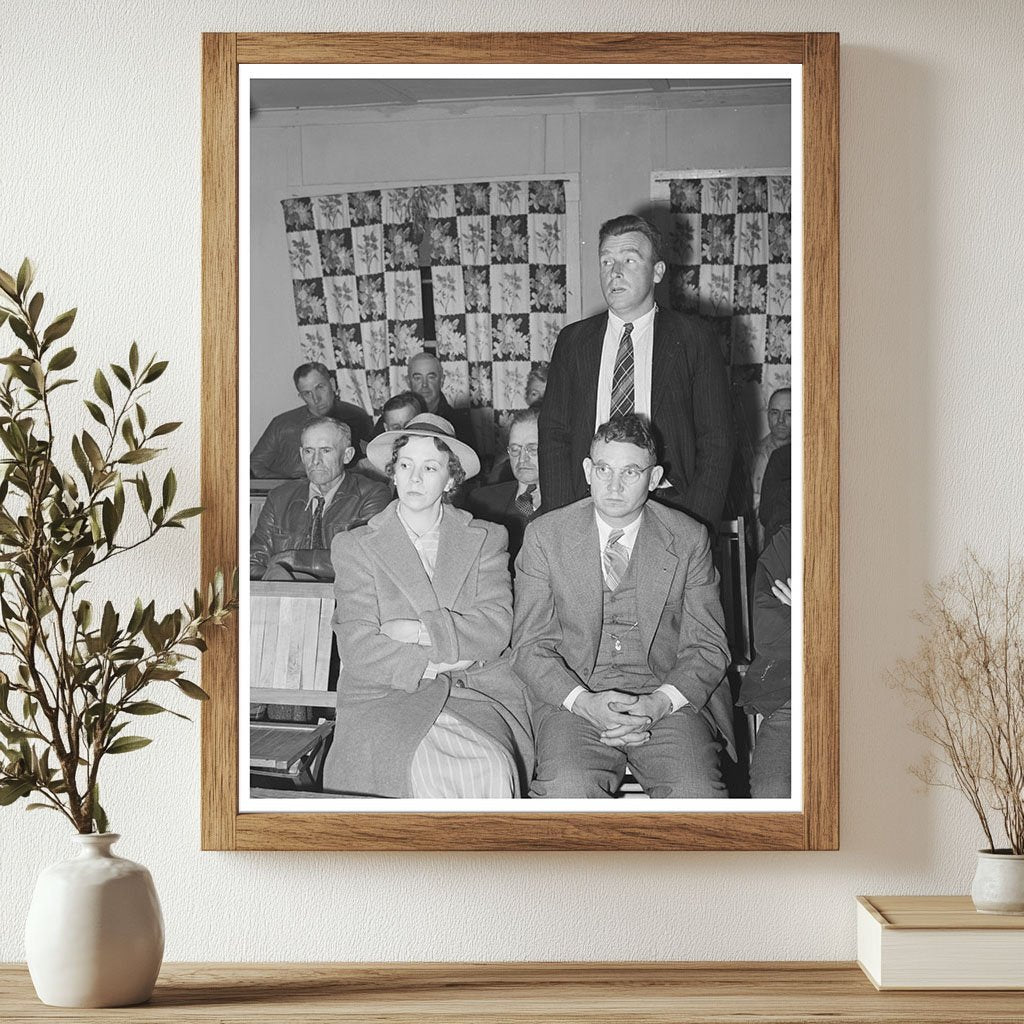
290, 93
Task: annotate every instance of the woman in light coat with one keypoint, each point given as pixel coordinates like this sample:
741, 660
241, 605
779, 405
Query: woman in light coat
427, 708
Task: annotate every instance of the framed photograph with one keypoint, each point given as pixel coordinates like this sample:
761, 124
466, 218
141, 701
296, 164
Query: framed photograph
488, 247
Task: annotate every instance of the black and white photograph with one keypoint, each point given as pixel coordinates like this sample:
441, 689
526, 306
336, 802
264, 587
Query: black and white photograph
520, 403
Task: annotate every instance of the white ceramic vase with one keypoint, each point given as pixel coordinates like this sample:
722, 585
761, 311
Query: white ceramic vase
95, 934
999, 883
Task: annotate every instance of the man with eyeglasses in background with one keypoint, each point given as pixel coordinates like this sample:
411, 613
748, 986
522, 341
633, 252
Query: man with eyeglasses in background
619, 636
513, 504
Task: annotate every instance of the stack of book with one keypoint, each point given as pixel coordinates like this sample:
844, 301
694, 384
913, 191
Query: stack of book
938, 942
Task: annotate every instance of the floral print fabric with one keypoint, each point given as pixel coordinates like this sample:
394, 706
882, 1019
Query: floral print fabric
729, 261
498, 270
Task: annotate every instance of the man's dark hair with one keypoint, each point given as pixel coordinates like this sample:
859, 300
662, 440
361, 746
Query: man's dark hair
404, 400
627, 429
631, 222
531, 415
307, 368
779, 391
455, 470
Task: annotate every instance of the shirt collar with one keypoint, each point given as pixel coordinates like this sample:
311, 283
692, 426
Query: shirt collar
629, 533
641, 323
413, 535
327, 495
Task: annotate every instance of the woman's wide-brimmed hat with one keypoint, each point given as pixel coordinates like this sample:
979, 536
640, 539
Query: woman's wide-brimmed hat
380, 449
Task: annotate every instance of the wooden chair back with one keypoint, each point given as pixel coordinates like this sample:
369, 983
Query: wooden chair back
290, 643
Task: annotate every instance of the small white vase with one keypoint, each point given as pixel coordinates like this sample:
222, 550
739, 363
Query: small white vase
999, 883
95, 934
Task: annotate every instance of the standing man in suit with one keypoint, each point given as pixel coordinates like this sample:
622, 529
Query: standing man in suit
513, 504
637, 358
276, 454
292, 539
618, 635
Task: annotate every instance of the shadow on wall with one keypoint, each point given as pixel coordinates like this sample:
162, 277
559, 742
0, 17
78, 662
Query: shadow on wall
887, 324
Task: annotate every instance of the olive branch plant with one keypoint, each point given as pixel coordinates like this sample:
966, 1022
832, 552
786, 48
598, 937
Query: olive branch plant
80, 674
966, 681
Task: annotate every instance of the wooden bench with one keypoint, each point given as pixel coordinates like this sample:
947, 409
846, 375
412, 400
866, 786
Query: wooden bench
291, 641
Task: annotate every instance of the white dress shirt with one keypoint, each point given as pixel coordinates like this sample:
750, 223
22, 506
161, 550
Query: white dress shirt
643, 358
628, 541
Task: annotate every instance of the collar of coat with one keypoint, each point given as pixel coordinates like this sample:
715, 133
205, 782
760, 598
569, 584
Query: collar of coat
461, 540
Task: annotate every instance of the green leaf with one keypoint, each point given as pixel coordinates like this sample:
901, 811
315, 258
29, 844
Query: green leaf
185, 513
138, 455
108, 626
35, 307
92, 449
14, 790
143, 707
102, 388
84, 614
165, 428
7, 283
170, 488
121, 374
191, 690
128, 433
4, 314
20, 328
109, 519
133, 358
41, 807
26, 274
126, 744
140, 415
63, 359
145, 497
99, 816
80, 458
95, 412
155, 371
60, 326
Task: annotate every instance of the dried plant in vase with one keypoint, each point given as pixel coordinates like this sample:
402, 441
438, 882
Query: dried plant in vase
967, 683
83, 672
76, 673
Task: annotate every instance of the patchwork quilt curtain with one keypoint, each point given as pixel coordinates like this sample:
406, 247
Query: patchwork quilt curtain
729, 242
497, 261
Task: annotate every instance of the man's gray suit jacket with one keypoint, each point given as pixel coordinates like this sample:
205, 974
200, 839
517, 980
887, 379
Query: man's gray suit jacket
559, 609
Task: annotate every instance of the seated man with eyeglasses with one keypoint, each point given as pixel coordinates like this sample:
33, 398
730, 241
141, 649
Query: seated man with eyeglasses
292, 539
513, 504
619, 636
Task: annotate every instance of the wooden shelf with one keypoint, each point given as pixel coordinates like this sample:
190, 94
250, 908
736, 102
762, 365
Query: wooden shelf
704, 993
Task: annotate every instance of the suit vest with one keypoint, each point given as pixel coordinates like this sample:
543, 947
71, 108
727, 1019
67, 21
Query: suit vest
621, 658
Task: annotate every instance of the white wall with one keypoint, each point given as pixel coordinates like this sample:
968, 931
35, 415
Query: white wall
100, 183
611, 144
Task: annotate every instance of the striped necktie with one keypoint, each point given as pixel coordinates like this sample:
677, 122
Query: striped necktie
524, 503
622, 377
616, 559
316, 531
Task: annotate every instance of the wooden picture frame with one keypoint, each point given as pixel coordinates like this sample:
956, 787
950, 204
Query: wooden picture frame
816, 826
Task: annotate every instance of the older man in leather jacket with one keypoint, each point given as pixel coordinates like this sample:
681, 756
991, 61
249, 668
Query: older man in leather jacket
293, 535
